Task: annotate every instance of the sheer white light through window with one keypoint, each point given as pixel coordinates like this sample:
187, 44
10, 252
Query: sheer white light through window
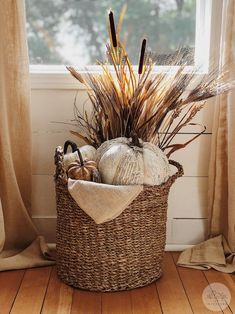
75, 31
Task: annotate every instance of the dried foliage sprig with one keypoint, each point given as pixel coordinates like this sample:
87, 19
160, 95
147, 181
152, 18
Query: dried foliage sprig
147, 105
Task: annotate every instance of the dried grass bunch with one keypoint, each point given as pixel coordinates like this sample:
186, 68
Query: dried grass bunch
147, 104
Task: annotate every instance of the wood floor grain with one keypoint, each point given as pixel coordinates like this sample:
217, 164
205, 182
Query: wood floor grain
179, 290
194, 283
9, 285
170, 289
145, 300
86, 302
226, 279
30, 297
116, 302
58, 298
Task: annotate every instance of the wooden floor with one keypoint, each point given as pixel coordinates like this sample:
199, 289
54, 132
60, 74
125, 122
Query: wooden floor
179, 291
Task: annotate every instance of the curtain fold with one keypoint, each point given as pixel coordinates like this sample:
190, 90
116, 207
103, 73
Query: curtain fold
221, 196
17, 232
222, 167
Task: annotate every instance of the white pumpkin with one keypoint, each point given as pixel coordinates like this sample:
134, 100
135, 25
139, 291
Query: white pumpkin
88, 153
122, 162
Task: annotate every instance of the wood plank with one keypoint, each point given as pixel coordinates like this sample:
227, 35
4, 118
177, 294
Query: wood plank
58, 299
203, 117
47, 227
54, 105
194, 206
226, 279
179, 231
57, 105
31, 294
86, 302
43, 197
194, 158
233, 277
171, 294
44, 145
170, 289
9, 285
145, 300
116, 302
188, 231
194, 283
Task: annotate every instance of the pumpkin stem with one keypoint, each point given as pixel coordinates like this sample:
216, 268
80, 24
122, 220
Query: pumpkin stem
80, 157
135, 140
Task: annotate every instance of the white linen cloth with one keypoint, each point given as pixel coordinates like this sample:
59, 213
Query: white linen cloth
213, 253
102, 202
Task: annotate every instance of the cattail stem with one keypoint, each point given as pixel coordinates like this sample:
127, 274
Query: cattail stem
142, 54
112, 29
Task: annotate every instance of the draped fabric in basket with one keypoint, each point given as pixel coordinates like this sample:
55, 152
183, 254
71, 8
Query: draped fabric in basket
102, 202
218, 251
20, 245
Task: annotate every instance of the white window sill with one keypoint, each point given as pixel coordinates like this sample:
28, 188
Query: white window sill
58, 77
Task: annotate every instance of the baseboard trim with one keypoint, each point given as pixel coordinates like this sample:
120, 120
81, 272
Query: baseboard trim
177, 247
169, 247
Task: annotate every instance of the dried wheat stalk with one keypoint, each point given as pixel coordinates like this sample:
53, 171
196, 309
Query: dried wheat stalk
146, 103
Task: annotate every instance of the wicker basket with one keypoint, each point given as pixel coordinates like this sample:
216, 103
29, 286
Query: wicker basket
121, 254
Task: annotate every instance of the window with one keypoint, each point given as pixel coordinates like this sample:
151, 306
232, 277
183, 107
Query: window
74, 31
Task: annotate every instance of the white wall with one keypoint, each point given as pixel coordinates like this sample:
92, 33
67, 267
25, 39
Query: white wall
187, 214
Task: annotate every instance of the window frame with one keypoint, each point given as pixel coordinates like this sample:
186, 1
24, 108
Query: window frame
208, 33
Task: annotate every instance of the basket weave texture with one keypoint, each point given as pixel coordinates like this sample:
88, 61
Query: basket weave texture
121, 254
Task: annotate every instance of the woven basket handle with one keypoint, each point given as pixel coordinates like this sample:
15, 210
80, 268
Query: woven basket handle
72, 144
180, 171
59, 160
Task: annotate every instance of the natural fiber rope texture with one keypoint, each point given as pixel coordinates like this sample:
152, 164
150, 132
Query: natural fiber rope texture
121, 254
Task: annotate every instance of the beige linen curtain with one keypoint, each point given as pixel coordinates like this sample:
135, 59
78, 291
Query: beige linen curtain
222, 164
20, 245
219, 251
